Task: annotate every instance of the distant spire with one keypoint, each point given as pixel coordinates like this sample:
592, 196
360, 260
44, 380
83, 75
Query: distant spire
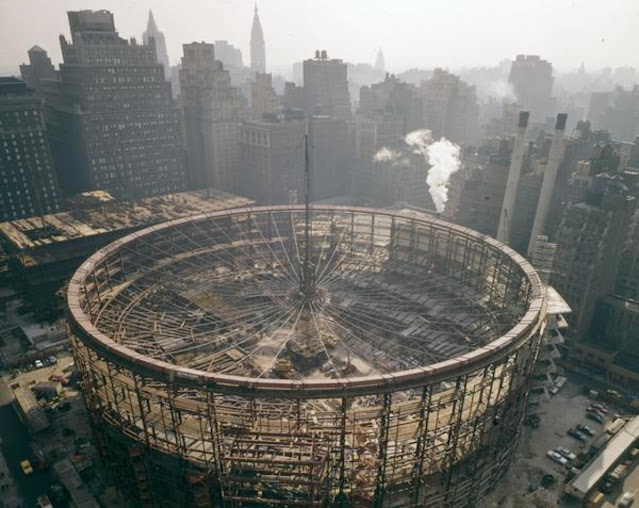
258, 51
153, 32
379, 62
256, 31
151, 27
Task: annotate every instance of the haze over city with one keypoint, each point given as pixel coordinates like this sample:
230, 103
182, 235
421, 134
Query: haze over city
412, 33
319, 254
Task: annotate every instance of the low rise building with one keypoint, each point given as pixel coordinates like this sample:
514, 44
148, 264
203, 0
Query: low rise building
43, 252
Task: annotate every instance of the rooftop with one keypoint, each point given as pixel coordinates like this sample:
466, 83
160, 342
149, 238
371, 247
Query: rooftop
607, 457
27, 237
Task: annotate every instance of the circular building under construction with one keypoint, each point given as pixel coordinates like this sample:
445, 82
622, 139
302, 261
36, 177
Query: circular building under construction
289, 356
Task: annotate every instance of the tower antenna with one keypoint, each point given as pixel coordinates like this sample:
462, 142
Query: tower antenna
308, 275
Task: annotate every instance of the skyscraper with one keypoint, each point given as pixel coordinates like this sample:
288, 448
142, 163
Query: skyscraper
331, 156
450, 107
160, 44
258, 51
112, 122
532, 80
387, 112
228, 54
213, 111
28, 184
263, 96
272, 168
38, 69
590, 241
326, 87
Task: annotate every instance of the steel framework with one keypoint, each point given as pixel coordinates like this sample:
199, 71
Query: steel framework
218, 374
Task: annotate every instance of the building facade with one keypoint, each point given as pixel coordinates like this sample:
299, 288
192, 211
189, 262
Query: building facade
450, 107
153, 33
272, 159
326, 87
589, 241
532, 80
38, 69
112, 122
28, 182
331, 156
229, 55
213, 111
263, 96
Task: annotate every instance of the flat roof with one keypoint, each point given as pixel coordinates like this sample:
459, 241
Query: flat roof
556, 304
26, 236
583, 483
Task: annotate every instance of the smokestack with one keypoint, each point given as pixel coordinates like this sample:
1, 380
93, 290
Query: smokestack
516, 162
548, 184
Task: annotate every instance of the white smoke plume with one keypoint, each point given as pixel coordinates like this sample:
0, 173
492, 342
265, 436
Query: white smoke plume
502, 90
443, 157
386, 154
395, 157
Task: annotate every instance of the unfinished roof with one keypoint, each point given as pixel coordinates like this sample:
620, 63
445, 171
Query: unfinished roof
229, 294
25, 237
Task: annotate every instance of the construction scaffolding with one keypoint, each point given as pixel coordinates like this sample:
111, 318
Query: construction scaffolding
287, 356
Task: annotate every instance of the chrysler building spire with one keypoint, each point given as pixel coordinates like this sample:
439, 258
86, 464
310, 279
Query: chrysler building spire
160, 44
258, 52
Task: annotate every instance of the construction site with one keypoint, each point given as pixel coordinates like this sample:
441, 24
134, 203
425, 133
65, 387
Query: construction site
306, 356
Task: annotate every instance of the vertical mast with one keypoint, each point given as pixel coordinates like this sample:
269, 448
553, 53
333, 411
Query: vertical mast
307, 281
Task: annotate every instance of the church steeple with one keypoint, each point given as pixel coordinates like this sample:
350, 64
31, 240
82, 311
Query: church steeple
258, 51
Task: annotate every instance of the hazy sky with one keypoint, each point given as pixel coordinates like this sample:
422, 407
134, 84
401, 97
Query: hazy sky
412, 33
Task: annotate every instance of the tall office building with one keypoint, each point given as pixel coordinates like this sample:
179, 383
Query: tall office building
264, 100
112, 122
480, 195
331, 156
590, 240
387, 112
28, 184
152, 32
326, 87
229, 55
450, 107
258, 50
213, 111
532, 81
272, 159
38, 69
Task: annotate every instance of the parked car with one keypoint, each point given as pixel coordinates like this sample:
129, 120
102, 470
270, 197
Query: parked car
26, 467
595, 417
565, 452
38, 364
557, 457
593, 409
586, 430
579, 436
53, 360
600, 407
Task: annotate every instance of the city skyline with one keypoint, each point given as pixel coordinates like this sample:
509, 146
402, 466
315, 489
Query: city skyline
293, 30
